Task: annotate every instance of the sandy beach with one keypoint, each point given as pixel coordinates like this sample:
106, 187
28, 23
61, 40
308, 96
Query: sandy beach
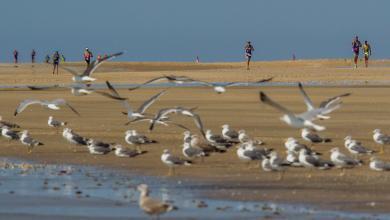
368, 108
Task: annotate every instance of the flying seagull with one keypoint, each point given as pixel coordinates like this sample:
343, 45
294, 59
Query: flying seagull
170, 78
221, 88
152, 206
325, 107
289, 117
50, 104
85, 77
140, 112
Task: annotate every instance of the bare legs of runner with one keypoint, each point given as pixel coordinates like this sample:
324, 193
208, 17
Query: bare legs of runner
355, 59
248, 60
55, 67
366, 60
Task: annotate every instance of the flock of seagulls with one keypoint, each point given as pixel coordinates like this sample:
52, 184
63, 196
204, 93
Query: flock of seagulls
205, 143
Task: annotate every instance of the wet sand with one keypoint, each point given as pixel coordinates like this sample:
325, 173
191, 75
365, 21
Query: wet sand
367, 109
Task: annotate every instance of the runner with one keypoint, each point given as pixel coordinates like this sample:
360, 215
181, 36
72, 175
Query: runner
56, 61
356, 45
16, 56
367, 52
87, 56
33, 53
248, 53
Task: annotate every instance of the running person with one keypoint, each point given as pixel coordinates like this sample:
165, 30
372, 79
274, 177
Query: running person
367, 52
33, 53
56, 61
16, 56
356, 45
87, 56
248, 53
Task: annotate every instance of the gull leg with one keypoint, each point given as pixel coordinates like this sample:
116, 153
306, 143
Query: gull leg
309, 175
342, 172
29, 149
382, 151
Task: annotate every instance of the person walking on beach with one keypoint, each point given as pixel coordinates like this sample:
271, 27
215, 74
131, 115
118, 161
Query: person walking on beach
16, 56
248, 53
87, 56
367, 52
56, 61
356, 45
33, 53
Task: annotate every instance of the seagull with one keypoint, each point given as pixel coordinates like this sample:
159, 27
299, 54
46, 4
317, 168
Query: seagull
187, 137
26, 139
357, 148
192, 152
9, 134
162, 121
163, 114
311, 161
133, 138
378, 165
229, 134
172, 161
140, 112
247, 152
151, 206
243, 137
124, 152
99, 147
381, 139
85, 77
275, 163
325, 107
294, 145
348, 140
170, 78
55, 123
290, 118
217, 141
292, 159
221, 88
8, 124
312, 137
53, 104
341, 160
74, 138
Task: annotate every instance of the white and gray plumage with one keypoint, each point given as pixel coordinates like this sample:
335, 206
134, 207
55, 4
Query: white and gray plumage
9, 134
74, 138
312, 137
312, 161
294, 145
324, 108
27, 140
133, 138
296, 121
140, 112
243, 137
8, 124
341, 160
172, 161
163, 121
381, 138
163, 114
275, 163
357, 148
348, 140
50, 104
187, 137
192, 152
229, 134
120, 151
99, 147
247, 152
218, 141
152, 206
379, 165
292, 159
170, 78
85, 77
55, 123
221, 88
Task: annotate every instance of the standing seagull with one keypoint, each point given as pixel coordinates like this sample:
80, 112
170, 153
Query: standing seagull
53, 104
229, 134
192, 152
243, 137
132, 137
247, 152
140, 112
341, 160
275, 163
74, 138
289, 117
312, 137
378, 165
172, 161
381, 139
124, 152
217, 141
9, 134
55, 123
26, 139
151, 206
220, 88
99, 147
170, 78
357, 148
85, 77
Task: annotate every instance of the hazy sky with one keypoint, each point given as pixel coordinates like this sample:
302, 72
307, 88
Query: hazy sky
179, 30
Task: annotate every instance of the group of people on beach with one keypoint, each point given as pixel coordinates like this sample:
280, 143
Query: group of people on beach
356, 45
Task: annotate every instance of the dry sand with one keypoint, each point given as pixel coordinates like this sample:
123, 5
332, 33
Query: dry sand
367, 109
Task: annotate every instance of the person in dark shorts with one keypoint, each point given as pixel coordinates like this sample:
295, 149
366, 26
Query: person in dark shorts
248, 53
33, 53
356, 45
87, 56
366, 52
16, 56
56, 61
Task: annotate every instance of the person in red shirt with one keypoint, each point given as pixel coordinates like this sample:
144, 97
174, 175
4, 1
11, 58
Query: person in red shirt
87, 56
